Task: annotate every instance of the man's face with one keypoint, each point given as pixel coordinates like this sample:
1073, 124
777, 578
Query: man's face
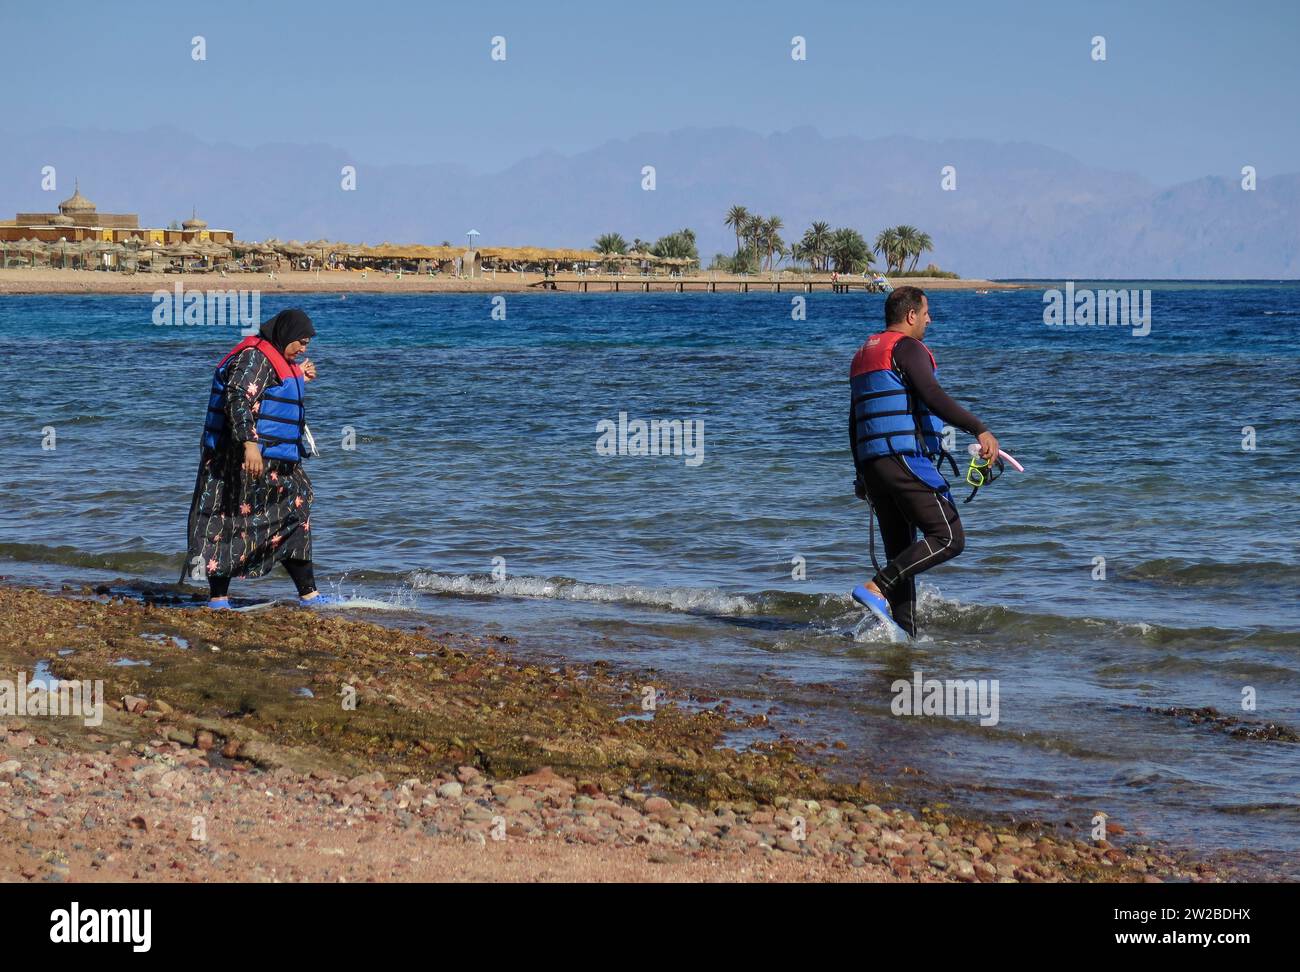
920, 320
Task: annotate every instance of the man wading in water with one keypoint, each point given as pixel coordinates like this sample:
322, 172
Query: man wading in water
895, 429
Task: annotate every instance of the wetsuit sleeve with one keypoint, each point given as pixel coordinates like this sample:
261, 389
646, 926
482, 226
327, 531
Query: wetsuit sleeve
245, 386
911, 359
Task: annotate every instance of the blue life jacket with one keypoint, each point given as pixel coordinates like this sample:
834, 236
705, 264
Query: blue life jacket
888, 418
280, 417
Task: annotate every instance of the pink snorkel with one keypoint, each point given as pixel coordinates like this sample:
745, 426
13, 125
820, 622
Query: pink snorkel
974, 450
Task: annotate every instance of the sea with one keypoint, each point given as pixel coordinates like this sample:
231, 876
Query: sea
663, 481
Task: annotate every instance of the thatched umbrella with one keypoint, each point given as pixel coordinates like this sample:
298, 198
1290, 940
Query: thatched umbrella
217, 253
182, 250
63, 248
317, 246
35, 247
94, 249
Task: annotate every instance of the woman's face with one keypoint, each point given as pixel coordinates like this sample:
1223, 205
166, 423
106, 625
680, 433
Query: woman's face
295, 348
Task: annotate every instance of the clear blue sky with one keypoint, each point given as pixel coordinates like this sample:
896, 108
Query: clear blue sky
1189, 88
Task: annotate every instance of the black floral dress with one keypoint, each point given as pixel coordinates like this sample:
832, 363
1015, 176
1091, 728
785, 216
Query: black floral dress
242, 525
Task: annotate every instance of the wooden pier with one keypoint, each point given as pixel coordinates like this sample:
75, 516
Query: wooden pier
606, 283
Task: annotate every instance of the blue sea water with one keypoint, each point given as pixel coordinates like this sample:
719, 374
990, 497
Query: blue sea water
476, 449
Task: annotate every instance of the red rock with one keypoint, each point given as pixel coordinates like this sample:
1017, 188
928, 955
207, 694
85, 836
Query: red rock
205, 740
1114, 828
545, 778
134, 703
657, 805
138, 822
231, 749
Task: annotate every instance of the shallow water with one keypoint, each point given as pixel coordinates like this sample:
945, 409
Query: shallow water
476, 440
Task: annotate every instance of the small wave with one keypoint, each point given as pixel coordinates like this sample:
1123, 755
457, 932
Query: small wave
123, 561
938, 613
693, 600
1182, 573
836, 612
362, 604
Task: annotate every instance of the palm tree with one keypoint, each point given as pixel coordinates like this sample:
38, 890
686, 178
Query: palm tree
907, 237
753, 233
772, 227
679, 244
886, 245
919, 246
849, 251
611, 243
737, 217
814, 243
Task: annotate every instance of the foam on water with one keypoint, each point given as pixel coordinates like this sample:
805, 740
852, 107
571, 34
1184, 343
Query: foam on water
688, 599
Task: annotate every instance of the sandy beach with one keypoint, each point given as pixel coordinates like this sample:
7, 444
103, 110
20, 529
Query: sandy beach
227, 753
46, 280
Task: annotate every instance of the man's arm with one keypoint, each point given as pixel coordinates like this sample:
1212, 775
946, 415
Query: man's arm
912, 360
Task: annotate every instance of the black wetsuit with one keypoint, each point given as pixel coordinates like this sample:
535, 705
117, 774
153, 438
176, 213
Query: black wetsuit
911, 497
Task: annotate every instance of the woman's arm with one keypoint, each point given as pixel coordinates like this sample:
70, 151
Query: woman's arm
245, 385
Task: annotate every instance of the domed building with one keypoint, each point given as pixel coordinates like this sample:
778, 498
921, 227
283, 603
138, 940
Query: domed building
78, 208
78, 219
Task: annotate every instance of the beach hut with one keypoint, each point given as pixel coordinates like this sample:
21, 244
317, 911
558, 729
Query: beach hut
470, 264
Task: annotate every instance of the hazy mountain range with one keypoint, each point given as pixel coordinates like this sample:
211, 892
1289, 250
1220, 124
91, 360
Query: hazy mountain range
1019, 209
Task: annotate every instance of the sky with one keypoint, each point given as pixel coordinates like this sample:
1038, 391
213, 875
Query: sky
1188, 89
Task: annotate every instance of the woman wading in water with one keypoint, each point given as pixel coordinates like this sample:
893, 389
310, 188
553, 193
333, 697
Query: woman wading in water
252, 499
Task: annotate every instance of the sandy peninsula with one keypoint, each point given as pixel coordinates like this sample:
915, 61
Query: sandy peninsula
47, 280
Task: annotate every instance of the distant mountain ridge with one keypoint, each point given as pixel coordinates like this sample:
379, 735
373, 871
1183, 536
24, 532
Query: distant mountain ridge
1019, 209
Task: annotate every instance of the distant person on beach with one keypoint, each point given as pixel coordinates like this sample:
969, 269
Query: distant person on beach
895, 430
252, 498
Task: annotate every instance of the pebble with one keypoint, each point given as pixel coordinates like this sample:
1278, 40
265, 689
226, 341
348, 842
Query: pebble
450, 790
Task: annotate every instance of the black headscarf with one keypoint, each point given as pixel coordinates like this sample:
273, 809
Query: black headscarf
286, 327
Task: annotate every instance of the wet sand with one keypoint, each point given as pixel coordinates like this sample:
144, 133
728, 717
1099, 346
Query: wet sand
233, 756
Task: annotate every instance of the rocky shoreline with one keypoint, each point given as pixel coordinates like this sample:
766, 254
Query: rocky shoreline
228, 751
